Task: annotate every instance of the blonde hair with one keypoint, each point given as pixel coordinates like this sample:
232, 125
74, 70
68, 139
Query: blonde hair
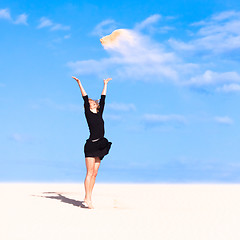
97, 102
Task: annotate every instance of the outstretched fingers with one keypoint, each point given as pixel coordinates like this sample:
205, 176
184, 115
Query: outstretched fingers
107, 80
75, 78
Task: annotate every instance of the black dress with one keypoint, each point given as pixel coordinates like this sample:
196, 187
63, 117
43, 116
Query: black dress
97, 145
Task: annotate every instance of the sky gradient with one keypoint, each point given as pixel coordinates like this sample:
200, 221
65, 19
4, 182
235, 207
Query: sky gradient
172, 108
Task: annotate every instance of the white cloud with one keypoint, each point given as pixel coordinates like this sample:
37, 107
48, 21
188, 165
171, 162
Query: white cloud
224, 120
58, 26
219, 34
47, 23
215, 36
213, 78
44, 22
67, 36
21, 138
229, 88
104, 27
5, 14
148, 22
125, 107
179, 45
225, 15
17, 137
157, 118
46, 102
21, 19
165, 29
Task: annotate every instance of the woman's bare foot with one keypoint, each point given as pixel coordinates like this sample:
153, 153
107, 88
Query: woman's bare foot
89, 203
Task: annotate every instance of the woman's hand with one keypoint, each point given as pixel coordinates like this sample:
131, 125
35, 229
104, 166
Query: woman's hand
105, 85
76, 79
107, 80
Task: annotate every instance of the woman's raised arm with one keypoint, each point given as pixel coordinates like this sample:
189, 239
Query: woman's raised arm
104, 91
81, 87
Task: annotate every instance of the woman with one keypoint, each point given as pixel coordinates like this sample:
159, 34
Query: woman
97, 146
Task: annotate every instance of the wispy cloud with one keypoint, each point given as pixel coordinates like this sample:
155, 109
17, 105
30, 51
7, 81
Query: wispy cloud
214, 78
225, 15
125, 107
224, 120
215, 37
219, 34
67, 36
152, 25
2, 85
148, 22
47, 23
165, 29
46, 102
58, 26
233, 87
21, 138
157, 118
162, 122
104, 27
5, 14
20, 19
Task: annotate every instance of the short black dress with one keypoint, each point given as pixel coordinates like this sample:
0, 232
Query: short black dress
97, 145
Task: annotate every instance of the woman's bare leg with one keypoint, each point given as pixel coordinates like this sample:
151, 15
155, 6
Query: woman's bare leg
90, 165
95, 172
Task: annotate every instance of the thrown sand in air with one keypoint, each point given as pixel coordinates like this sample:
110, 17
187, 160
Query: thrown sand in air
118, 38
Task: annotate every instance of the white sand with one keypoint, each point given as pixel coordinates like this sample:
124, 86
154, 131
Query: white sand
122, 211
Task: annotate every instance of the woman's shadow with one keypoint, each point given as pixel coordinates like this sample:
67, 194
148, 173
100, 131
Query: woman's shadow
60, 197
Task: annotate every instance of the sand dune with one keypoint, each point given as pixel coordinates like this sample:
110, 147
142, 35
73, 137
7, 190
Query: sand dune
122, 211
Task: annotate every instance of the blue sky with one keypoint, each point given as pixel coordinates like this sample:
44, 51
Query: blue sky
172, 108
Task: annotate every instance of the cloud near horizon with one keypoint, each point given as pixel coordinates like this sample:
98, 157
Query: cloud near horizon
223, 120
158, 118
21, 138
